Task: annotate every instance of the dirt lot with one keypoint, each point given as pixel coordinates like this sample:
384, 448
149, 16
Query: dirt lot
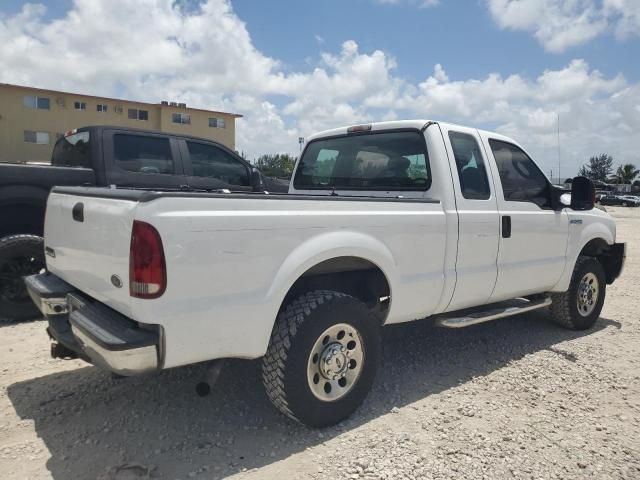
516, 398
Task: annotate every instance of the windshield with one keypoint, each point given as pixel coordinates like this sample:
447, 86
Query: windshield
373, 161
72, 151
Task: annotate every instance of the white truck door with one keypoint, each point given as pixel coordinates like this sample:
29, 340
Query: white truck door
478, 219
533, 240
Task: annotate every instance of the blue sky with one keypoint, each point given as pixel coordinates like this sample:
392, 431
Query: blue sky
295, 67
460, 35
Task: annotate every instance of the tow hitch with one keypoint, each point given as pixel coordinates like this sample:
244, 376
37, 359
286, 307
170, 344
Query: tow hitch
204, 387
60, 351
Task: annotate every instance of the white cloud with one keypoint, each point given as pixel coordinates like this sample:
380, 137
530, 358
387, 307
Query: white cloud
561, 24
152, 50
627, 16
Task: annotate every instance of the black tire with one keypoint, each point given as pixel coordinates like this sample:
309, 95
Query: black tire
300, 324
20, 255
564, 306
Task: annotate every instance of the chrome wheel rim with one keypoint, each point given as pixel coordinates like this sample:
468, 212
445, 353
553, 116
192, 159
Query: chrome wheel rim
588, 291
335, 362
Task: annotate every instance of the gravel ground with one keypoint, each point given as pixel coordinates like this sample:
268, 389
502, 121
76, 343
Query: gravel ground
514, 398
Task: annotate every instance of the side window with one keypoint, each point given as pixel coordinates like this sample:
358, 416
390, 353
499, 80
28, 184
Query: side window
213, 162
471, 168
142, 154
522, 180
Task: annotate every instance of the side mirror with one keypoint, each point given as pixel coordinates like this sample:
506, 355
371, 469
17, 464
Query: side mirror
583, 194
256, 180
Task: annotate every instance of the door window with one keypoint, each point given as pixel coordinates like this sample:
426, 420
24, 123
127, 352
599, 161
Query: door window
472, 173
143, 154
522, 180
213, 162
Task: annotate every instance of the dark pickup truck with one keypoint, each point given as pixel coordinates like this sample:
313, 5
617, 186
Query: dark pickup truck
103, 156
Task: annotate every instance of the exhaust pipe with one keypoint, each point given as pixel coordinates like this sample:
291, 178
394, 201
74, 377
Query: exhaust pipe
204, 387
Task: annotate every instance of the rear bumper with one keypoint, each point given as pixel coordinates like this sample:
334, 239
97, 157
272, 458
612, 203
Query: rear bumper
96, 332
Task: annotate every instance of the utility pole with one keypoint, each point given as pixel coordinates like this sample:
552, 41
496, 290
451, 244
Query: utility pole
559, 180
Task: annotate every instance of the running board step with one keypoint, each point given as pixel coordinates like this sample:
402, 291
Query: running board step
465, 318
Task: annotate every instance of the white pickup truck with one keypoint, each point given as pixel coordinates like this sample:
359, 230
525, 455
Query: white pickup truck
383, 223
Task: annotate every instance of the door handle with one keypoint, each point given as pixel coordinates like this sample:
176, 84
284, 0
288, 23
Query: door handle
78, 212
506, 226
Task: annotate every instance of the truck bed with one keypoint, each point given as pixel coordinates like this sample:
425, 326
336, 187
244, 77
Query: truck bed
232, 258
43, 176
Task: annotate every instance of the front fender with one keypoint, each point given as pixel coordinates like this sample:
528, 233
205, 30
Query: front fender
594, 227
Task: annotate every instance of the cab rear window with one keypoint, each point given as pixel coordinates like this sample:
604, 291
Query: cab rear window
394, 160
73, 151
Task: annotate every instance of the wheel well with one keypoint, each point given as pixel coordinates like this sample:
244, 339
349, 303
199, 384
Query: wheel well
595, 247
354, 276
610, 256
22, 218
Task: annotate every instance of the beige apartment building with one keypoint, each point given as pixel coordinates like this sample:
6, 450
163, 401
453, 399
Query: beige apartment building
32, 119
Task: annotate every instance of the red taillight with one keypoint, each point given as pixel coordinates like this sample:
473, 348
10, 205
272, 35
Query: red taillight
147, 268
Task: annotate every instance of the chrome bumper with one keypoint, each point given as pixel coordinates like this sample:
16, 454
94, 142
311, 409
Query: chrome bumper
99, 334
130, 362
49, 293
111, 340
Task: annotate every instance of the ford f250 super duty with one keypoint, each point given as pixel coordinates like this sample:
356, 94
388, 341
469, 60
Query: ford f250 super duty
383, 223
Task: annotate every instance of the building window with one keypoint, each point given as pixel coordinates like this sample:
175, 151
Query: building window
101, 108
135, 114
80, 105
31, 101
216, 122
183, 118
40, 138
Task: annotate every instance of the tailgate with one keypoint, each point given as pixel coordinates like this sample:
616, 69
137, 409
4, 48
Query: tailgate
87, 241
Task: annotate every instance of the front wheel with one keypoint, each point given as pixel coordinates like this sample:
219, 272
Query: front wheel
322, 357
579, 307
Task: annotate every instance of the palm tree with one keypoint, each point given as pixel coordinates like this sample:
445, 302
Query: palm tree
626, 173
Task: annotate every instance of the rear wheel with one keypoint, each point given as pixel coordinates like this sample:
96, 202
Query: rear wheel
579, 307
20, 255
322, 357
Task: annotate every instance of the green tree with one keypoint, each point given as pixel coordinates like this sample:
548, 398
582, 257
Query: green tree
278, 165
626, 173
599, 167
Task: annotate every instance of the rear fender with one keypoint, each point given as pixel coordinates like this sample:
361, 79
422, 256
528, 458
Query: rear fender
326, 247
